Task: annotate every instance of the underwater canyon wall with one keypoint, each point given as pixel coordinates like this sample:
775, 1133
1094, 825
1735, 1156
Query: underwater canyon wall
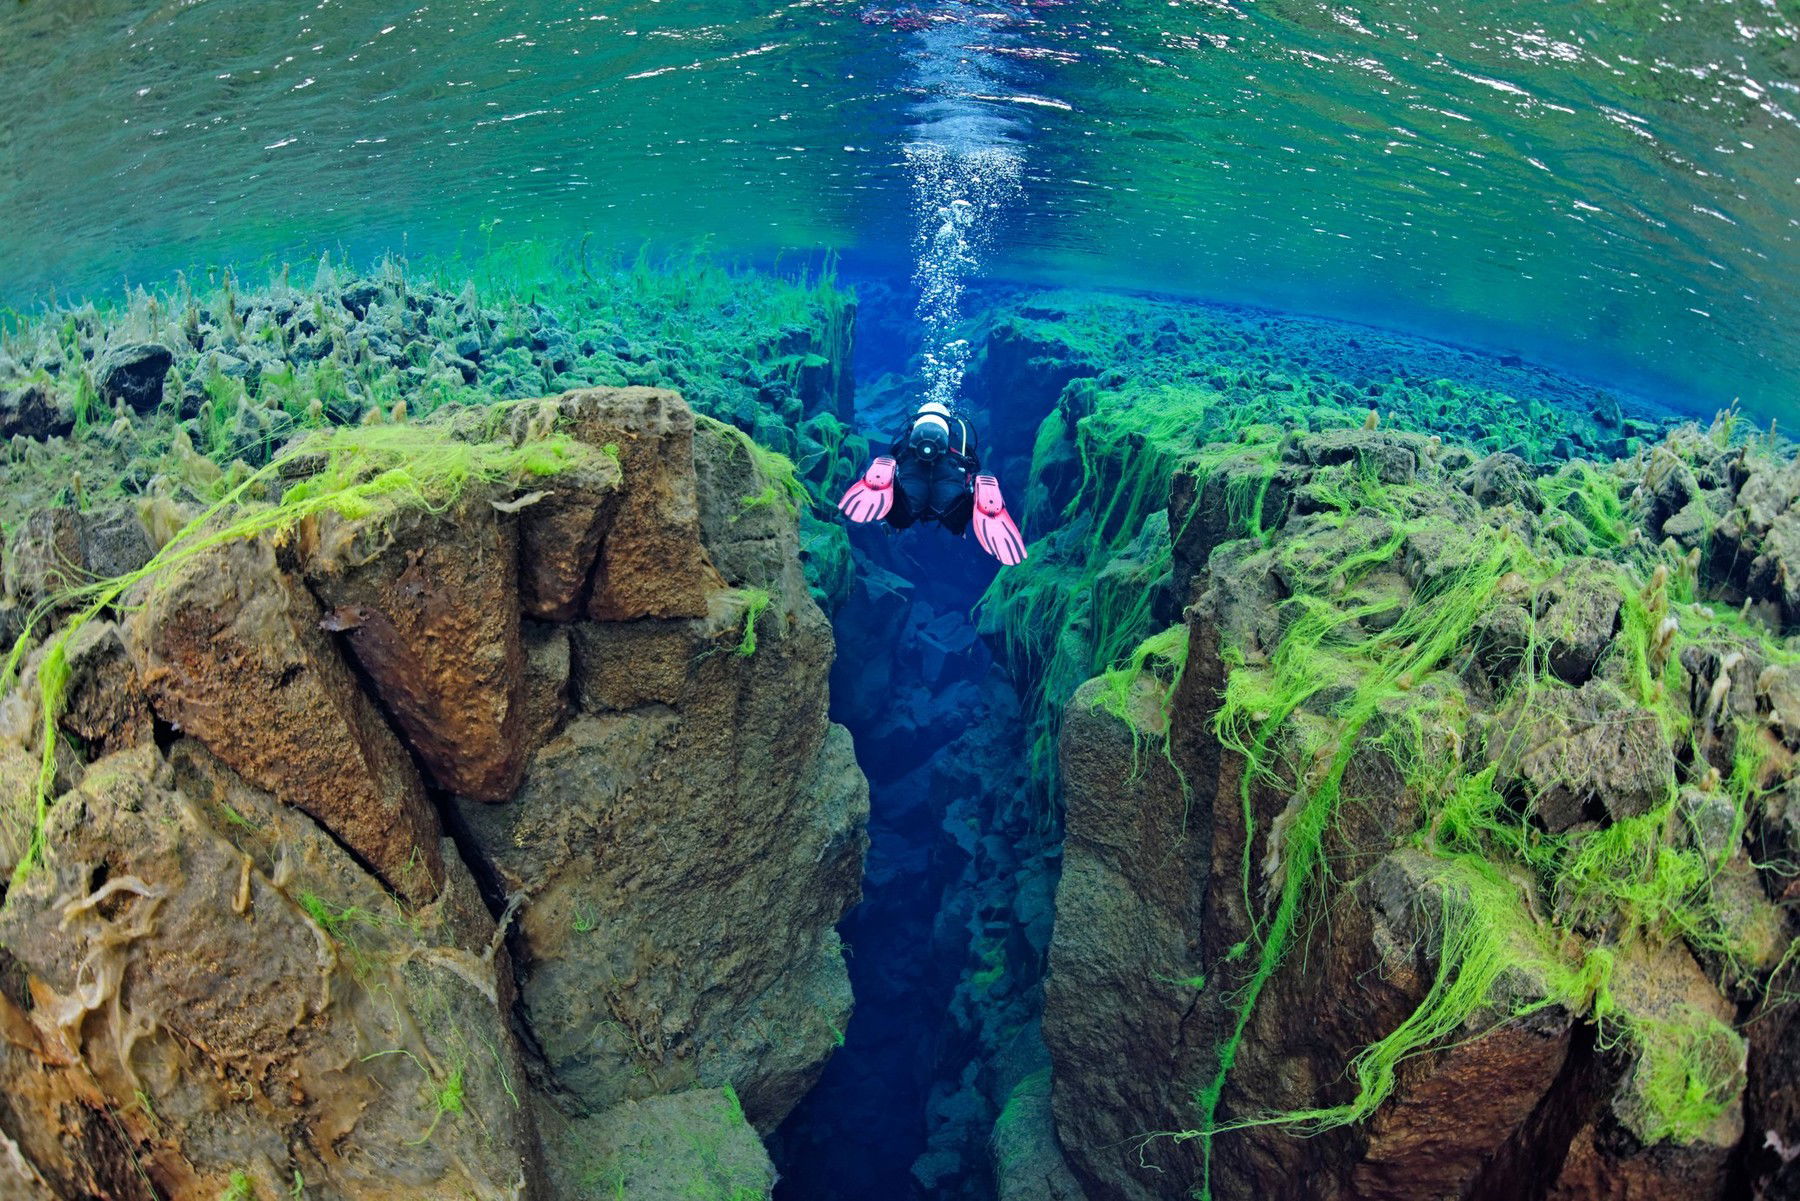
1426, 793
1452, 829
477, 833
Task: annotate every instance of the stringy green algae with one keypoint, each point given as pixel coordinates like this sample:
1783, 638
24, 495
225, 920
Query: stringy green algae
1058, 618
1492, 865
1487, 928
352, 471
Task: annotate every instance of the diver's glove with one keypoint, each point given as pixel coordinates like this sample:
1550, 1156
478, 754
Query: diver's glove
870, 498
994, 527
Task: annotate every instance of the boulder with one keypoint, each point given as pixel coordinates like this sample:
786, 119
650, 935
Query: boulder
428, 601
1574, 754
54, 550
43, 556
204, 987
230, 649
690, 837
679, 930
560, 534
1622, 1148
1390, 457
133, 373
1502, 479
114, 542
1577, 615
33, 411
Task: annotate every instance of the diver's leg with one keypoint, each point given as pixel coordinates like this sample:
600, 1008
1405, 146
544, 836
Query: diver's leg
951, 498
912, 493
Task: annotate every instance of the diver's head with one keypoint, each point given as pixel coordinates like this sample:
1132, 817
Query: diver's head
930, 436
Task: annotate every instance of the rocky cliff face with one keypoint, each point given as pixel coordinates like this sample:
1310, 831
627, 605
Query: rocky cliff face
488, 846
1448, 830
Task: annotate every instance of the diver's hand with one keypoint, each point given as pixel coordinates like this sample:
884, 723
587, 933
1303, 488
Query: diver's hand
870, 498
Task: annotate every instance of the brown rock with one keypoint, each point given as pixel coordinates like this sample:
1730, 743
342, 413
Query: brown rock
652, 563
104, 704
548, 662
1622, 1150
230, 650
429, 605
175, 1015
560, 535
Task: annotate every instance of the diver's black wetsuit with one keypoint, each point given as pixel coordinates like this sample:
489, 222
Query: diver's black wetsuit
937, 489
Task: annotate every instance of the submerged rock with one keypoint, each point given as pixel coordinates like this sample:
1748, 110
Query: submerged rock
33, 411
231, 651
217, 990
1534, 778
132, 375
428, 602
664, 824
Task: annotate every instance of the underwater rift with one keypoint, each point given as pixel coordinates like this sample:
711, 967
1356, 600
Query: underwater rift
454, 745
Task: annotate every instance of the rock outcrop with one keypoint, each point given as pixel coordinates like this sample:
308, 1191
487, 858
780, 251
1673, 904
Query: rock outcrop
1472, 668
364, 798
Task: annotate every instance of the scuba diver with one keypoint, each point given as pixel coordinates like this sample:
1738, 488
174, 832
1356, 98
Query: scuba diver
935, 467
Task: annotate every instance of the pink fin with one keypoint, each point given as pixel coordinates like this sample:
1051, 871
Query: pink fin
870, 498
994, 526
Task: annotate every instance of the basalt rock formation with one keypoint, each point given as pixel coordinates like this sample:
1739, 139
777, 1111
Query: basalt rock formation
1450, 829
478, 845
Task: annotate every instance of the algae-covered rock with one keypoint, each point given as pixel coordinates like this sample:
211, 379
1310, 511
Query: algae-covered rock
43, 556
55, 550
562, 523
32, 411
689, 837
132, 374
1572, 754
1502, 479
1577, 615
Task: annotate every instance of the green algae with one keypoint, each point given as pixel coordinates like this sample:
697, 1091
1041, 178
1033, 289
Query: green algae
1524, 920
768, 353
1630, 878
756, 603
353, 471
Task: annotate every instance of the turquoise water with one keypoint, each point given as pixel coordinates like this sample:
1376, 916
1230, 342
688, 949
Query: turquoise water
1607, 187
